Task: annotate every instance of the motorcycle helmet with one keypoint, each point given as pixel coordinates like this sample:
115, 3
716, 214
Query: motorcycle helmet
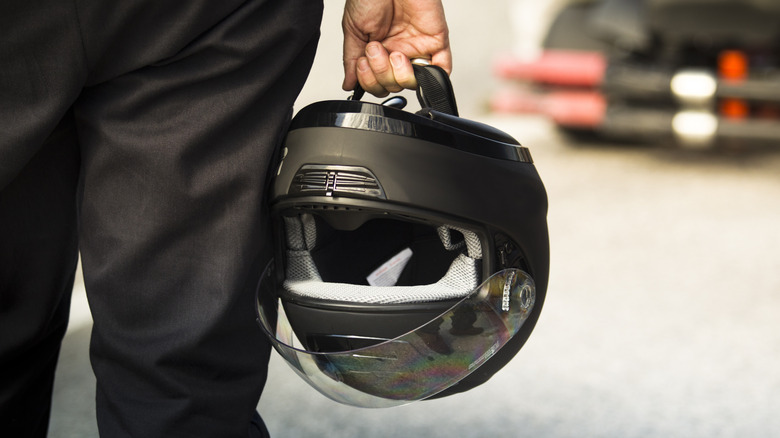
412, 252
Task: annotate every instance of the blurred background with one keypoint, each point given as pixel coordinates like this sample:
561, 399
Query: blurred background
661, 317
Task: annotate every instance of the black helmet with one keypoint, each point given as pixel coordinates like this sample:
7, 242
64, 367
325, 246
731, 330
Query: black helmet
412, 249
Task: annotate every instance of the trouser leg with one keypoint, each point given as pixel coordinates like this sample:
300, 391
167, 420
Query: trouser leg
41, 74
174, 230
38, 255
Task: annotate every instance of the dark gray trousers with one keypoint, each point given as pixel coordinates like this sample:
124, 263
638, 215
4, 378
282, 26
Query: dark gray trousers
139, 133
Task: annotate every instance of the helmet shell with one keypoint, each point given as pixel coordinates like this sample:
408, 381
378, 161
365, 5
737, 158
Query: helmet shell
350, 161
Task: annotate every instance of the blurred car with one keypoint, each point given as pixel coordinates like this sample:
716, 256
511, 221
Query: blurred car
696, 73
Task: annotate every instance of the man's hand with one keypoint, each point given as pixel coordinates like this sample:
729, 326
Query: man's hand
381, 36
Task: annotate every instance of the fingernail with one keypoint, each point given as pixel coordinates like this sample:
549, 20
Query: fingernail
372, 49
396, 59
363, 64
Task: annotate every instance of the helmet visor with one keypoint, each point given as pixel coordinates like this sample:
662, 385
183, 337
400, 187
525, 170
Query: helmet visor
416, 365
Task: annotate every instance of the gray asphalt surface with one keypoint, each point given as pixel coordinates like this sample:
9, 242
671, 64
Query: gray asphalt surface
662, 312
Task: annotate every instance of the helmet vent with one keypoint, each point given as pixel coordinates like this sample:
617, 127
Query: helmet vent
325, 180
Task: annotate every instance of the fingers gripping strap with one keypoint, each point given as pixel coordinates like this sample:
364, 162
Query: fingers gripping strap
434, 89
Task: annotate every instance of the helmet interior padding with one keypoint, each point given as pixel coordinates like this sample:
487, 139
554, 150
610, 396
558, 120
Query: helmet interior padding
436, 268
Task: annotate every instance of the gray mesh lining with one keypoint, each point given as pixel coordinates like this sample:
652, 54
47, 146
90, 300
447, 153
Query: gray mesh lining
301, 232
303, 278
459, 281
471, 240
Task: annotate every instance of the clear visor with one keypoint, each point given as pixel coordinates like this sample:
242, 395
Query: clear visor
418, 364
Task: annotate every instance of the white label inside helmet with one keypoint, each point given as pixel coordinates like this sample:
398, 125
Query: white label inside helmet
390, 271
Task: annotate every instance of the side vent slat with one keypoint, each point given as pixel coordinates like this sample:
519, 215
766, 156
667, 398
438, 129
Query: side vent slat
327, 180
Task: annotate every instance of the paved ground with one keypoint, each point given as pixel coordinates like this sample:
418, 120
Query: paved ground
661, 317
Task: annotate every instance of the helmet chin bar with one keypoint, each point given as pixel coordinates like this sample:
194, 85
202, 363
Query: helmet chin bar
416, 365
